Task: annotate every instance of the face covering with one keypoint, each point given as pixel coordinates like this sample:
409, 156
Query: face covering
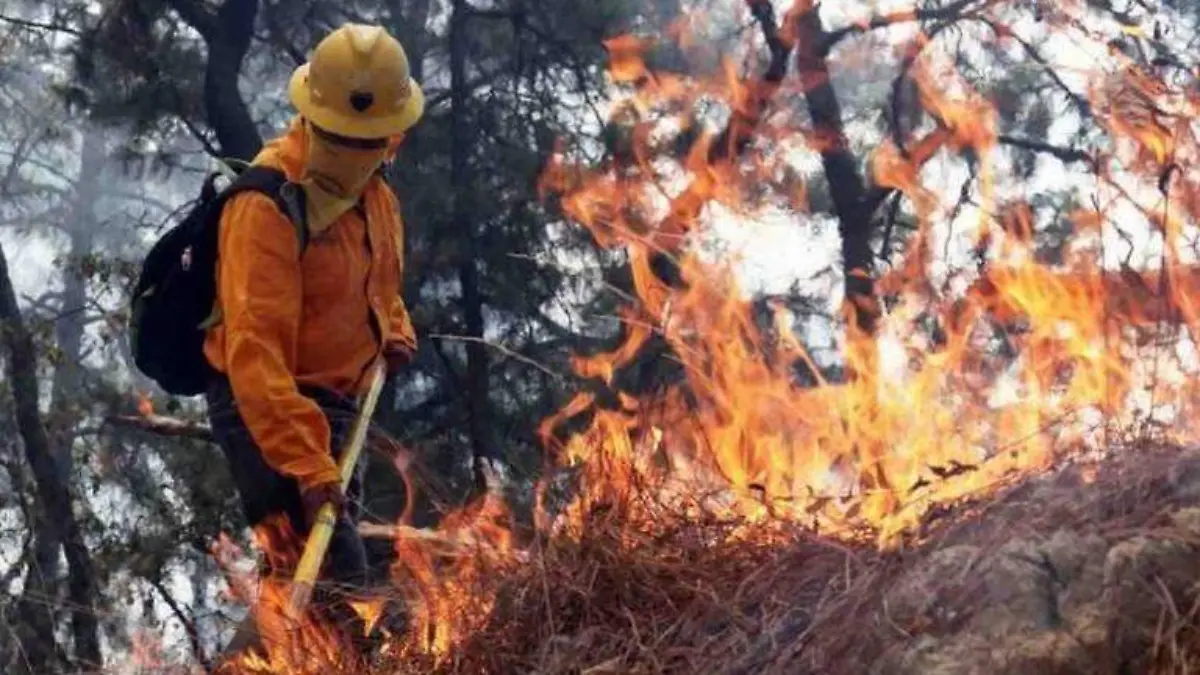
335, 176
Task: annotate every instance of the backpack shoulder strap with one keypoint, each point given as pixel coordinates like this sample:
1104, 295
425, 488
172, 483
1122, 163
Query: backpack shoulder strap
287, 195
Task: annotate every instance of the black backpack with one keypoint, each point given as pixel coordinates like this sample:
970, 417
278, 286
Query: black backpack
173, 301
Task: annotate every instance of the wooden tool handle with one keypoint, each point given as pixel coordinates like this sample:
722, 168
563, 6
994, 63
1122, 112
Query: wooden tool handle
322, 530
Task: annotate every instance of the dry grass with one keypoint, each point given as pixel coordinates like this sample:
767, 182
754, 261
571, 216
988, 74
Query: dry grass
1087, 570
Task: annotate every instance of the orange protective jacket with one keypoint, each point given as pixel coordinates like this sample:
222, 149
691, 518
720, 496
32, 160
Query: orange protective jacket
322, 319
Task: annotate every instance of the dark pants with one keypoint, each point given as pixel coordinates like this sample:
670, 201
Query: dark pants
267, 495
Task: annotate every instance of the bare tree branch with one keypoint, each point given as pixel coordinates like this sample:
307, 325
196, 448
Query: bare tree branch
19, 566
1081, 104
745, 118
953, 11
1068, 155
734, 138
38, 25
434, 100
462, 543
507, 14
416, 471
163, 426
198, 133
189, 624
885, 247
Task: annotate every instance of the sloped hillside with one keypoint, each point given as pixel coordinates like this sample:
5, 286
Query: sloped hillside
1090, 569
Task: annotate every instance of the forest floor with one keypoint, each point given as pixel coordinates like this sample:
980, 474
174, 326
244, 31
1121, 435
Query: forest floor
1092, 568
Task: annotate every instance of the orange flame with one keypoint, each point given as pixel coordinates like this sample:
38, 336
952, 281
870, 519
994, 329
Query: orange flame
444, 573
946, 420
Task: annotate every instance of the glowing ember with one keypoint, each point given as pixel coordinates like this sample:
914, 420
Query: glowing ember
145, 406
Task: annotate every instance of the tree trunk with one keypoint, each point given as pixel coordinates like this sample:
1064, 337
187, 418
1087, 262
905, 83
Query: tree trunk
57, 520
69, 330
468, 271
226, 110
845, 184
406, 20
854, 207
228, 35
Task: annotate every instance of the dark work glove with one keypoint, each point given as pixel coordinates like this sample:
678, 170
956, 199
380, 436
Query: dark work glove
317, 496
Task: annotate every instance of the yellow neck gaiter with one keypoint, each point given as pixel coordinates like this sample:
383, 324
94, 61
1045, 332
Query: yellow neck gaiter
335, 177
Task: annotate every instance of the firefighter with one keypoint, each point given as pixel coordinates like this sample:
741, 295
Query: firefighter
301, 327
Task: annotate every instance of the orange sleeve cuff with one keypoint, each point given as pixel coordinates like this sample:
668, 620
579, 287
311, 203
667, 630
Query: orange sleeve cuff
260, 293
400, 331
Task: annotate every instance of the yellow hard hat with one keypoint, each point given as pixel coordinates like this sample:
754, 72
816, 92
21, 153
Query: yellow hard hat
357, 84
